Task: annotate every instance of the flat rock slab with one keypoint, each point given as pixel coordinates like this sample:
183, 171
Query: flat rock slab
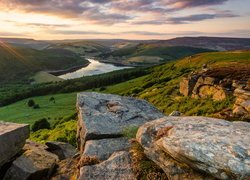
118, 166
105, 115
104, 148
217, 147
12, 140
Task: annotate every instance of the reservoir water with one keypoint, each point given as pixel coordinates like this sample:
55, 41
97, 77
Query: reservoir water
95, 67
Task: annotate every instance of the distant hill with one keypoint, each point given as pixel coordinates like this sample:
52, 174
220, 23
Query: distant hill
22, 42
84, 48
20, 62
149, 54
215, 43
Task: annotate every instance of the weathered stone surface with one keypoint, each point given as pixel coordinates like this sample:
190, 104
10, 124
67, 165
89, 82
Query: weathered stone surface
187, 85
214, 146
118, 166
12, 140
61, 149
34, 163
104, 148
105, 115
242, 103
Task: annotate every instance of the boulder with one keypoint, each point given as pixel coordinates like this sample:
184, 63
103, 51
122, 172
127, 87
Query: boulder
105, 116
12, 140
118, 166
187, 85
34, 163
242, 103
61, 149
199, 144
104, 148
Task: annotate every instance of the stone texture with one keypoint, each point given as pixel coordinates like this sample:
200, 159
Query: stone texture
104, 148
61, 149
12, 140
34, 163
242, 103
105, 116
187, 85
217, 147
118, 166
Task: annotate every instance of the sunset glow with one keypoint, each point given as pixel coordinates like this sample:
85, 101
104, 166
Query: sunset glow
128, 19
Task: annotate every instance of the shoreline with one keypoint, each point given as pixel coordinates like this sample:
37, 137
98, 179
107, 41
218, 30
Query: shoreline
69, 70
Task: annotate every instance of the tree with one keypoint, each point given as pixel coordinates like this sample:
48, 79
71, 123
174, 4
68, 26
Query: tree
36, 106
40, 124
52, 99
31, 103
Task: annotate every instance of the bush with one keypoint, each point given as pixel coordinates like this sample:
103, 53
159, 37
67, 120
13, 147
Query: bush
102, 88
52, 99
65, 132
31, 103
36, 106
40, 124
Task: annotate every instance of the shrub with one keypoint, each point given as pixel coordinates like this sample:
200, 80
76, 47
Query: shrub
102, 88
36, 106
52, 99
31, 103
40, 124
64, 132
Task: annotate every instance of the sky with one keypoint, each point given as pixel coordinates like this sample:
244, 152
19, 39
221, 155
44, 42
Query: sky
123, 19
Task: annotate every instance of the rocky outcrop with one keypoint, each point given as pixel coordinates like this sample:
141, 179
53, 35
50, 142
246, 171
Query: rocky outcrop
61, 149
35, 163
105, 115
102, 120
242, 103
118, 166
104, 148
188, 147
12, 140
200, 86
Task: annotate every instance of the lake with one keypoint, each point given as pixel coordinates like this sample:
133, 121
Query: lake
95, 67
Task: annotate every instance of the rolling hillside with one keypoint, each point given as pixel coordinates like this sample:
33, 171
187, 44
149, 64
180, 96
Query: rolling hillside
19, 62
160, 87
150, 54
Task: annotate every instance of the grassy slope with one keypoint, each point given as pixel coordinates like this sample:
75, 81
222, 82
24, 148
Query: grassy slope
19, 112
44, 77
164, 52
22, 62
161, 88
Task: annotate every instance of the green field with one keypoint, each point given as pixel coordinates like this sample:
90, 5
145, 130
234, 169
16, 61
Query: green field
160, 87
19, 112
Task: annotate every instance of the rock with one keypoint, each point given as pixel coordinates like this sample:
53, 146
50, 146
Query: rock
187, 85
12, 140
105, 116
104, 148
242, 104
175, 113
34, 163
61, 149
217, 93
217, 147
118, 166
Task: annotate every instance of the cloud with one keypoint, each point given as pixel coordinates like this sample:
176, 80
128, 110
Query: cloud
106, 11
199, 17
